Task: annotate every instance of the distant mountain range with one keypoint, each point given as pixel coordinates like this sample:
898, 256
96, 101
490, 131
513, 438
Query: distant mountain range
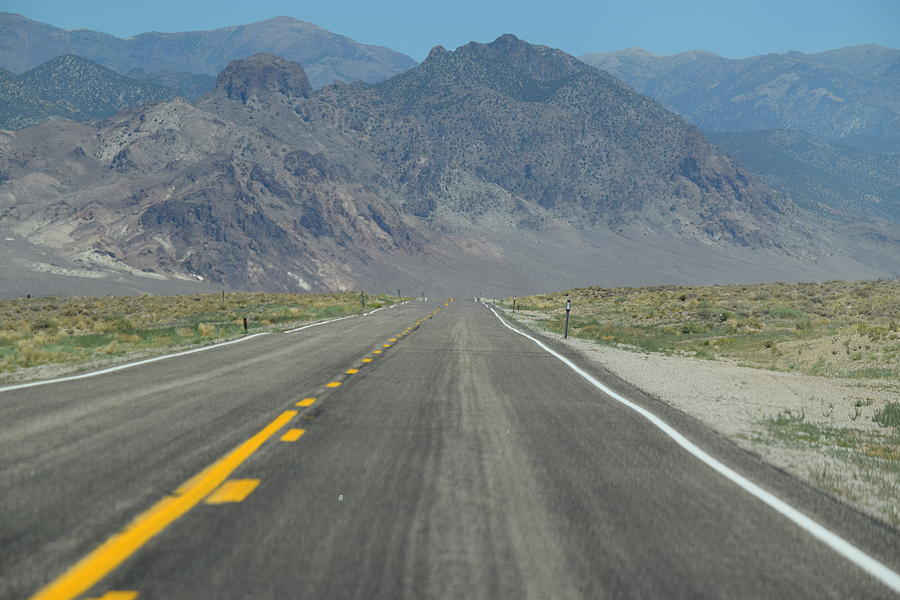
71, 87
851, 95
498, 167
172, 58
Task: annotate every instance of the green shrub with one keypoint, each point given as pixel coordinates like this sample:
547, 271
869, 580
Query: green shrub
889, 416
692, 327
783, 312
48, 325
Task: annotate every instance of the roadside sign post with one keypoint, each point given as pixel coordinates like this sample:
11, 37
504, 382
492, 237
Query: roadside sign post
362, 298
514, 305
568, 308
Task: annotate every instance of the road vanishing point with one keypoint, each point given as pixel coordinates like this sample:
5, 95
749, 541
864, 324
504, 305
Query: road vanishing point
426, 450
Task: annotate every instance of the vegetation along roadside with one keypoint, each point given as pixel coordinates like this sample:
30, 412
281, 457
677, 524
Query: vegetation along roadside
47, 336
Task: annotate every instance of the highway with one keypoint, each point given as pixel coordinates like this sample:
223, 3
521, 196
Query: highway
423, 451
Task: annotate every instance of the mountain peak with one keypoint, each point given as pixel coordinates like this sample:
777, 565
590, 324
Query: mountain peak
533, 60
436, 51
508, 65
283, 21
513, 56
263, 73
507, 39
69, 61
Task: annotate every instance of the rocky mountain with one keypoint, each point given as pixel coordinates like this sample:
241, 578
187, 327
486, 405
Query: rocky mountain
71, 87
326, 56
849, 182
496, 168
526, 130
852, 94
19, 105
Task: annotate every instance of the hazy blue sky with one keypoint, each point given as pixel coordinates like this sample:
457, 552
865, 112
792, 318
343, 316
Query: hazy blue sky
733, 29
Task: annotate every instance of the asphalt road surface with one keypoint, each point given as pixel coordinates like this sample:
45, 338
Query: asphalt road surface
456, 459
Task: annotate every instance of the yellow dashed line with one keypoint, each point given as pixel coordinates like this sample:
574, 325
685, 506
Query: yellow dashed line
386, 345
392, 340
352, 371
111, 553
333, 384
367, 360
117, 595
307, 402
376, 351
292, 435
235, 490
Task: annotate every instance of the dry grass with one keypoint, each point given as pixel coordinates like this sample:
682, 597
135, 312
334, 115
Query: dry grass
838, 328
865, 465
43, 331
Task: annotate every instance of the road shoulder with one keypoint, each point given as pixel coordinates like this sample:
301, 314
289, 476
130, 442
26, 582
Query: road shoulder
727, 411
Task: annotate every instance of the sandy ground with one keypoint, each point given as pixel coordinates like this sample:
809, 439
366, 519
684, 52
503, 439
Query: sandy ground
737, 401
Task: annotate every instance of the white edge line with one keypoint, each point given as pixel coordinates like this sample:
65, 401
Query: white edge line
20, 386
862, 560
319, 323
128, 365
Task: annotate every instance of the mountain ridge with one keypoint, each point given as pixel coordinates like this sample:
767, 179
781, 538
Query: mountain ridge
328, 57
441, 174
852, 94
846, 181
73, 88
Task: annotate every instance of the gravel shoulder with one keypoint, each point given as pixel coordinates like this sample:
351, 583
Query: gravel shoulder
820, 429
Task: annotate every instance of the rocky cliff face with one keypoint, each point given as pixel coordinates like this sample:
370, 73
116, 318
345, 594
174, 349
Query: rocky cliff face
262, 75
489, 166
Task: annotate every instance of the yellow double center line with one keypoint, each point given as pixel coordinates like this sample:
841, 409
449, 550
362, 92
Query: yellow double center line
114, 551
111, 553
